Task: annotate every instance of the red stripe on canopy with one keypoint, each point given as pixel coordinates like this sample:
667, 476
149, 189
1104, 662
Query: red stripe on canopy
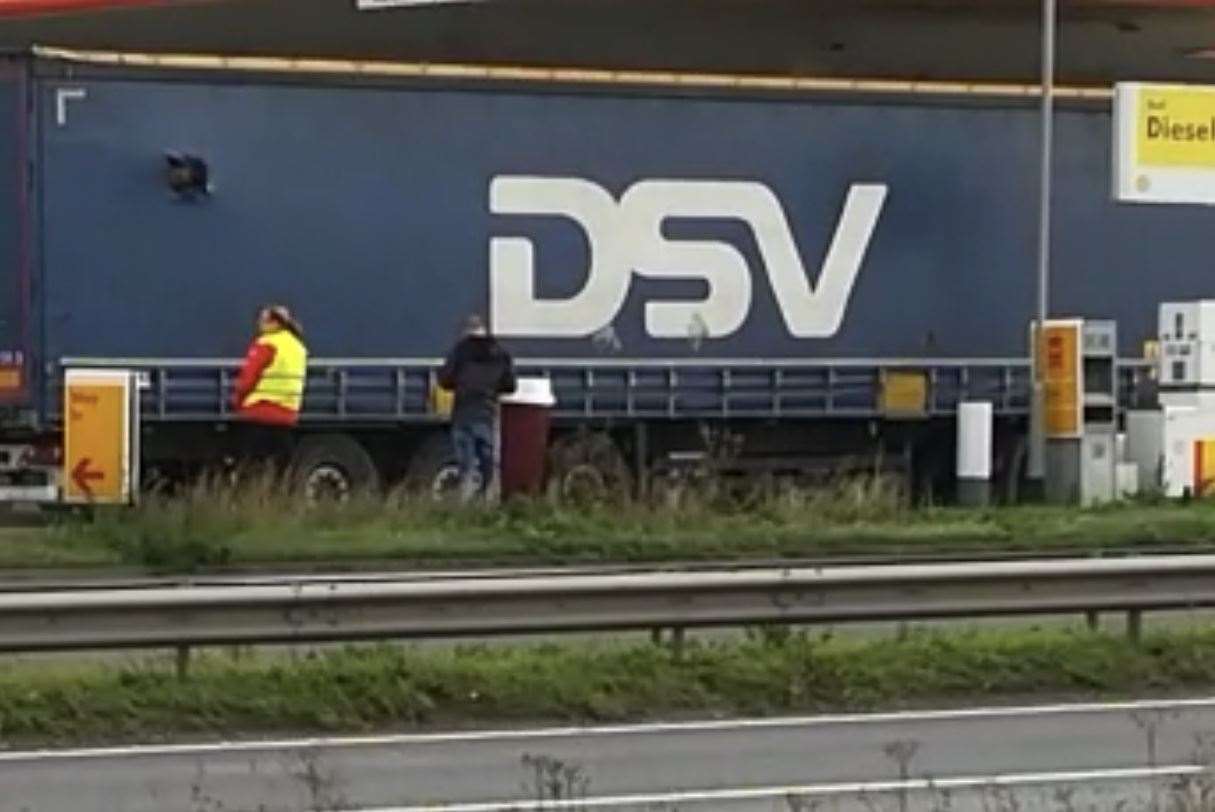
29, 8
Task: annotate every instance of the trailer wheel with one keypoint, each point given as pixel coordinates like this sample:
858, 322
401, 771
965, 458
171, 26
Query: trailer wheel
332, 467
1012, 470
432, 468
586, 468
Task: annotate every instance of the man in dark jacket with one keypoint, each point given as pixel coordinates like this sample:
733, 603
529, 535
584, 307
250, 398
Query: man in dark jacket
478, 370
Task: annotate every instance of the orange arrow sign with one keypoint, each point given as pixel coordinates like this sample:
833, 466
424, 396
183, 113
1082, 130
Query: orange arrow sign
82, 476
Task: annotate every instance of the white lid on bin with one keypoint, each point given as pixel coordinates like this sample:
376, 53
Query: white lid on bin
532, 392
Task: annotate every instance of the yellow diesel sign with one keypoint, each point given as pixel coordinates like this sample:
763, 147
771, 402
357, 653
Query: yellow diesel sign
1176, 127
1164, 143
99, 460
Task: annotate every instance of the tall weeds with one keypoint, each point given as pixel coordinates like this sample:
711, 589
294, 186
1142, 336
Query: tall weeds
215, 520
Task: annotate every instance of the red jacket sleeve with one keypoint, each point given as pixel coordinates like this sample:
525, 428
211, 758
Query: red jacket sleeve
257, 359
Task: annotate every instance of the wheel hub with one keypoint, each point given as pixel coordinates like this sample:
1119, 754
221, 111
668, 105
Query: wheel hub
327, 483
446, 482
582, 482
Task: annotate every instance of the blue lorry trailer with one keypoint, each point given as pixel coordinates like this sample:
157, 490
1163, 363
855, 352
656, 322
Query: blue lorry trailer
811, 275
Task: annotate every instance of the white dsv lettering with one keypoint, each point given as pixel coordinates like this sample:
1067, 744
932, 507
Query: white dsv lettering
626, 237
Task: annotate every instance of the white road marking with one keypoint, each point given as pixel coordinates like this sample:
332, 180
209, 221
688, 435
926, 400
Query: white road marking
525, 734
818, 790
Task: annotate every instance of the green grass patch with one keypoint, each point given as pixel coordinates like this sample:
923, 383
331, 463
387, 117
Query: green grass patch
27, 548
210, 527
186, 533
389, 687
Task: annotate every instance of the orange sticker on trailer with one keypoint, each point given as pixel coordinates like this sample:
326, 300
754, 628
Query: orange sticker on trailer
10, 378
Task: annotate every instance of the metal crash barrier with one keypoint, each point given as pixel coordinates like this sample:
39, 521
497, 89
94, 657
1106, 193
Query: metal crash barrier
318, 610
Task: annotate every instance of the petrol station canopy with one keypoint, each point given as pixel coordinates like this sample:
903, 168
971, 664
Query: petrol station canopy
1101, 41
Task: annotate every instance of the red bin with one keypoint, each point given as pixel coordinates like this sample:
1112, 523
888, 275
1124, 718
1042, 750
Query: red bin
524, 435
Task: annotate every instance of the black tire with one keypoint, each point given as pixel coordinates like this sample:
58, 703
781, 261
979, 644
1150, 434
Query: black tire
1012, 473
332, 467
432, 467
588, 468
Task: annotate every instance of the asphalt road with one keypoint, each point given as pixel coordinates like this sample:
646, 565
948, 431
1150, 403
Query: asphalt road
1109, 751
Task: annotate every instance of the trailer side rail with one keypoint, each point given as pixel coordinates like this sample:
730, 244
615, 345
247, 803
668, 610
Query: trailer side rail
360, 391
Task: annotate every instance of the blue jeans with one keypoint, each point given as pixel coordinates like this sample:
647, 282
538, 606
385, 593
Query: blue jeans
474, 447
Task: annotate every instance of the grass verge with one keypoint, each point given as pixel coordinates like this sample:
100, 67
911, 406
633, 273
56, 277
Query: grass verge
211, 529
389, 687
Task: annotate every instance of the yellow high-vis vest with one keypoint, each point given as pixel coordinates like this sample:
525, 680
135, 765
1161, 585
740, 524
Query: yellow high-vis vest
282, 383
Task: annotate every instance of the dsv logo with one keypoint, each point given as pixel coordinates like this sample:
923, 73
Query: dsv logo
626, 238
